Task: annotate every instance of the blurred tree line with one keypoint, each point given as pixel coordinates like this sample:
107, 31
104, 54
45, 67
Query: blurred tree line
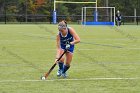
14, 10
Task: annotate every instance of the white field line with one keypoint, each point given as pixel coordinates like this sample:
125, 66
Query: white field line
109, 49
86, 49
86, 79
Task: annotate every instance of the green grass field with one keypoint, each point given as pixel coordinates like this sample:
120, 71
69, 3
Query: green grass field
106, 61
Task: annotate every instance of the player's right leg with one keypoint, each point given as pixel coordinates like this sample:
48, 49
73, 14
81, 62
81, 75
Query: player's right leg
60, 64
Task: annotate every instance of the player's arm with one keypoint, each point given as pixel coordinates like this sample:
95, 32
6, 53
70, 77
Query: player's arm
57, 46
75, 35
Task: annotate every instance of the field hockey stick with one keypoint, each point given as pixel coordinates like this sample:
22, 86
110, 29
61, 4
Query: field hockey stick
47, 74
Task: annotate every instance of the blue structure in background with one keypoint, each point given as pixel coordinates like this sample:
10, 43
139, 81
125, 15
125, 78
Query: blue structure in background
54, 17
95, 14
96, 22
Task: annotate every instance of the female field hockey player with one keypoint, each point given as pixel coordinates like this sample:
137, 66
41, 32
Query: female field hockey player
67, 37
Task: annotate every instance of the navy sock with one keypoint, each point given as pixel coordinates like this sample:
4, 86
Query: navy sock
60, 65
65, 68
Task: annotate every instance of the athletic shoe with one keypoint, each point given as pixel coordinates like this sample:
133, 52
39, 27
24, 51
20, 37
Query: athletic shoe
64, 75
59, 73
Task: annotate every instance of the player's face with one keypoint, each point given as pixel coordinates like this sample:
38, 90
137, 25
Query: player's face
63, 30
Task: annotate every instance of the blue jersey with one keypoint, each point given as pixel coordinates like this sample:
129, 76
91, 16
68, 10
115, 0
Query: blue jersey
65, 39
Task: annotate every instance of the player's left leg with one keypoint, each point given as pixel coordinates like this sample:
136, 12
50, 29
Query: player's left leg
69, 56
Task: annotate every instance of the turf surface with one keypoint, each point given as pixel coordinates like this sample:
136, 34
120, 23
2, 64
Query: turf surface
106, 61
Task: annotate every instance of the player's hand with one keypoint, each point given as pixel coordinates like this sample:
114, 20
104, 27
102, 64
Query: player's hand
56, 60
